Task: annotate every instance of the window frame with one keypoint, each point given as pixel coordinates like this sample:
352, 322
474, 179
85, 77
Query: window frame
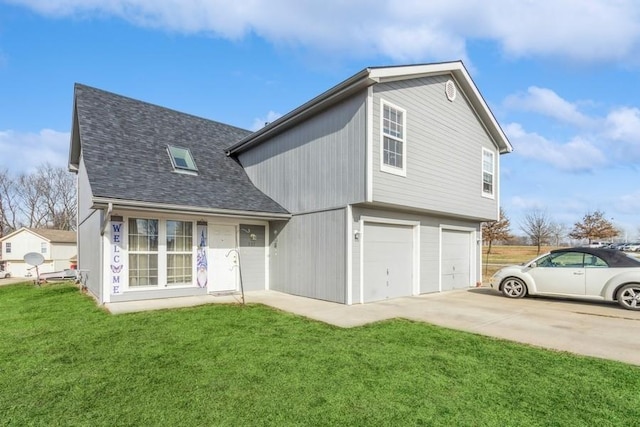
43, 247
174, 251
184, 154
7, 247
147, 252
384, 167
162, 254
492, 194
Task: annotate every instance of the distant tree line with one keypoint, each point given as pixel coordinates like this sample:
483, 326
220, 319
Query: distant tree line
45, 198
539, 229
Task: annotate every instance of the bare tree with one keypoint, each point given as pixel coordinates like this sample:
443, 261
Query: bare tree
594, 226
495, 231
30, 190
9, 203
43, 199
558, 231
537, 227
58, 197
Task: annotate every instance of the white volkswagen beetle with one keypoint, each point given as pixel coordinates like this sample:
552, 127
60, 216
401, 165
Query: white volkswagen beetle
588, 273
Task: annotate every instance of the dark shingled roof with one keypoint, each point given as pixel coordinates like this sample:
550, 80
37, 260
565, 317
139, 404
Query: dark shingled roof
124, 147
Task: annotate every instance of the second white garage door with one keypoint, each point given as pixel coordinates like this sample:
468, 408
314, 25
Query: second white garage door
388, 261
456, 259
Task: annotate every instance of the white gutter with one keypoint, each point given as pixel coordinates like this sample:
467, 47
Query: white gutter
99, 202
105, 221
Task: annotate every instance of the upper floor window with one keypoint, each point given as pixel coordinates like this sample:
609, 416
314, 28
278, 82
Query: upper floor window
393, 140
43, 247
488, 173
181, 159
7, 247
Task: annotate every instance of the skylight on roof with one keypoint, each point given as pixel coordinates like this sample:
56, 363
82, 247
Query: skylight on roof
181, 159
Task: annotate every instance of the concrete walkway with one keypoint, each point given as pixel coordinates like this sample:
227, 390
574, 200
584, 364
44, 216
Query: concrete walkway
601, 330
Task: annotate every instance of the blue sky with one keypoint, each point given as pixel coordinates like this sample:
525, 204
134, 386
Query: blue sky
561, 77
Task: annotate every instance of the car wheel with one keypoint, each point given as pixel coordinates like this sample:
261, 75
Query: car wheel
513, 287
629, 296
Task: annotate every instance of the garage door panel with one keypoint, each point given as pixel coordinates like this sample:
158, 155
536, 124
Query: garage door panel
456, 256
388, 261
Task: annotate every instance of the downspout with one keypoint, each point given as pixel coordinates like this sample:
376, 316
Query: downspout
105, 221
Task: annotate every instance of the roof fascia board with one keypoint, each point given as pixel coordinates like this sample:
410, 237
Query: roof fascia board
13, 233
495, 135
482, 109
74, 142
103, 203
320, 102
404, 72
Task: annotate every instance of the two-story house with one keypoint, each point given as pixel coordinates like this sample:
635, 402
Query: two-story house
374, 189
57, 247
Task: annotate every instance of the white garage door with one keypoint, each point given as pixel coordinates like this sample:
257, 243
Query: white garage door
388, 261
456, 259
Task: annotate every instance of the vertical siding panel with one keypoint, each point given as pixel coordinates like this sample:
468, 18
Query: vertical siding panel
252, 255
318, 164
307, 255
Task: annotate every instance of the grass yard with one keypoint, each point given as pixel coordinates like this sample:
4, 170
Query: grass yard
64, 361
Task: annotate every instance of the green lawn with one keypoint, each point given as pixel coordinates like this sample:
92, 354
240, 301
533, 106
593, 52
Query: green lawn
64, 361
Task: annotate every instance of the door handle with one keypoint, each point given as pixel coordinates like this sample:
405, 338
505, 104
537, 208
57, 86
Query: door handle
578, 273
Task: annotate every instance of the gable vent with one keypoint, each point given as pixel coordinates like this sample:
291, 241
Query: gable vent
450, 90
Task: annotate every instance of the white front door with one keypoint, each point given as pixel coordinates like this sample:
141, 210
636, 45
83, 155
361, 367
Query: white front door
224, 259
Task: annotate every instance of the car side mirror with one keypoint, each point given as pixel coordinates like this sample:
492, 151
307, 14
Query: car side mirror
533, 265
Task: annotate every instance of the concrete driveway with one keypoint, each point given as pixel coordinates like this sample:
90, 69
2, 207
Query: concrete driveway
601, 330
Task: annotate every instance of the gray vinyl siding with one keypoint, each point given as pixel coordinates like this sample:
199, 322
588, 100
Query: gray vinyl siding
308, 255
444, 151
318, 164
89, 240
252, 256
90, 253
430, 227
84, 193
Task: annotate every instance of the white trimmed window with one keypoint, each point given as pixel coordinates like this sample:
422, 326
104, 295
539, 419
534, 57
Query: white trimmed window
161, 252
393, 142
488, 173
143, 252
7, 248
43, 247
179, 252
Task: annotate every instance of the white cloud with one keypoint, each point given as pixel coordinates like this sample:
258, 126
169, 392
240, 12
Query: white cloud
547, 102
259, 122
24, 152
629, 203
576, 155
573, 30
623, 124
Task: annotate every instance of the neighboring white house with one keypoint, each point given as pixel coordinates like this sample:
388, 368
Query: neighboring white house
57, 247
